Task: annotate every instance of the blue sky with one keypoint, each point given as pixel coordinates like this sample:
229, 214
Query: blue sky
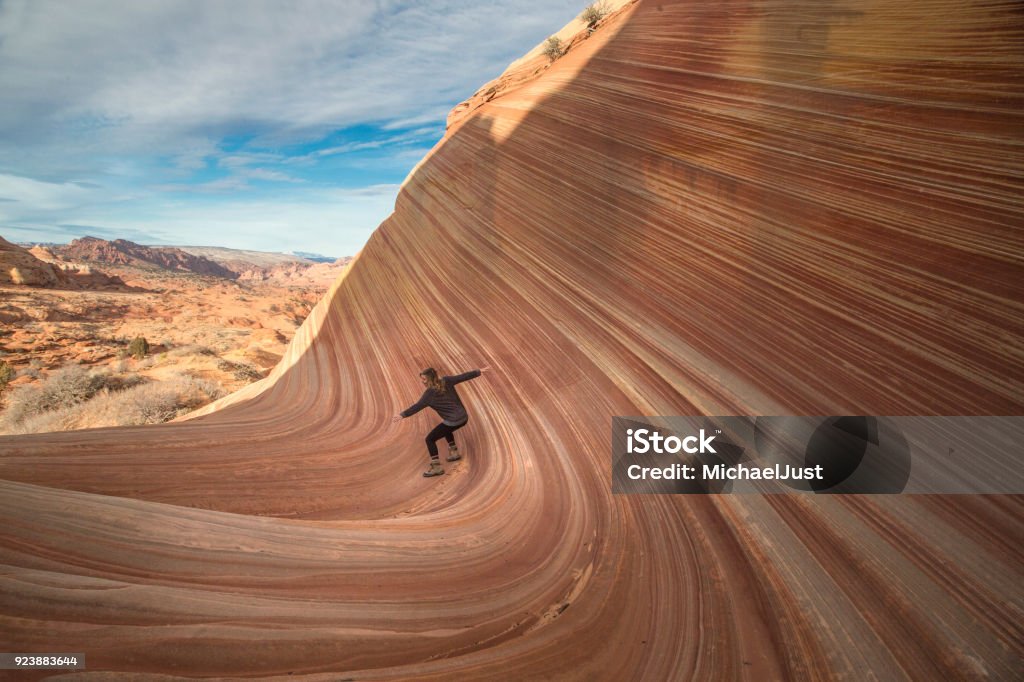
248, 124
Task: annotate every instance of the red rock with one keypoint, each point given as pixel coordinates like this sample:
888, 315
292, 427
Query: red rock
730, 208
124, 252
18, 266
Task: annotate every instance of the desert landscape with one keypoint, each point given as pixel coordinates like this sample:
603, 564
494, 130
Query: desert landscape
213, 320
740, 208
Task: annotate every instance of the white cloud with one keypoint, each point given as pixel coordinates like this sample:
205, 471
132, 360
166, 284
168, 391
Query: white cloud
336, 223
268, 174
145, 76
220, 186
381, 190
136, 95
47, 196
247, 159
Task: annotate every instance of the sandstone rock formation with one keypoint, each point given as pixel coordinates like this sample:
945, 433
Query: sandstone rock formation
78, 275
44, 253
274, 268
293, 274
18, 266
723, 208
124, 252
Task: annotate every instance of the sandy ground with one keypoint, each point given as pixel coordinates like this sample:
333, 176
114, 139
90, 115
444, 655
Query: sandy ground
232, 333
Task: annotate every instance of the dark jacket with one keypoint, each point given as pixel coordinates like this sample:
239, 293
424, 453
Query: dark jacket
446, 404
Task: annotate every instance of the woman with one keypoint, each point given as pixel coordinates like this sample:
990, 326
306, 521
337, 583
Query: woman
441, 396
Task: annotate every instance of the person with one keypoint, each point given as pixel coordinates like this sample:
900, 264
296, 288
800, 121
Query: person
440, 394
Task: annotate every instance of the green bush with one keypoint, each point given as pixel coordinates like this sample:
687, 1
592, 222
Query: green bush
139, 347
553, 48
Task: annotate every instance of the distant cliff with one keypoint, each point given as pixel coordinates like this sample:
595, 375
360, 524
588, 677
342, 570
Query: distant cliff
289, 269
19, 266
40, 268
124, 252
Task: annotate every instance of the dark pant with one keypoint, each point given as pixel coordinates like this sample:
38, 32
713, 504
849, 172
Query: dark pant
440, 431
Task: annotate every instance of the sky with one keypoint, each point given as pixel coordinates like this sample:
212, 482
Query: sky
255, 124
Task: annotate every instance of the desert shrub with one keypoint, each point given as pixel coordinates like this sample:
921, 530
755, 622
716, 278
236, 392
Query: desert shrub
41, 423
553, 48
120, 381
138, 347
67, 386
6, 374
190, 350
146, 403
240, 371
593, 13
275, 308
154, 404
194, 392
248, 373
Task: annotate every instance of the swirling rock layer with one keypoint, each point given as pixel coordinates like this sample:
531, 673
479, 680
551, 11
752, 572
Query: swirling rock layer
738, 207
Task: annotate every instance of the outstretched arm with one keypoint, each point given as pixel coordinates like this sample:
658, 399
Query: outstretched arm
414, 408
472, 374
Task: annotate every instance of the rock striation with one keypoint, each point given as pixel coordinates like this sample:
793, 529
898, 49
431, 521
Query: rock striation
722, 208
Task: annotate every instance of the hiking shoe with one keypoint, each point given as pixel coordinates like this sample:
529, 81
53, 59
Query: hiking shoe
434, 470
453, 455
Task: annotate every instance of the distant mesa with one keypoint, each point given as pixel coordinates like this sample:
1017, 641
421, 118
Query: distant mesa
41, 267
289, 269
124, 252
238, 260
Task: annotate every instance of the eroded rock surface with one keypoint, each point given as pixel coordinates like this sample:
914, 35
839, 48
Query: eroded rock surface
729, 208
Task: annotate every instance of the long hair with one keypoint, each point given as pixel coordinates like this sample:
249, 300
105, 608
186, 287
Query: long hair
433, 381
